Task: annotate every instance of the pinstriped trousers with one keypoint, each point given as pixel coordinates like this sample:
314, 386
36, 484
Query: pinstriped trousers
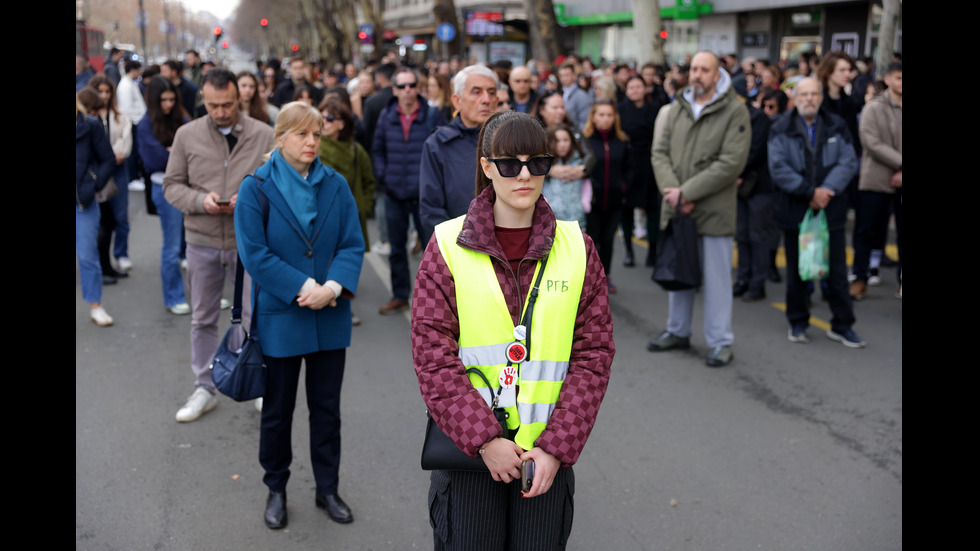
470, 511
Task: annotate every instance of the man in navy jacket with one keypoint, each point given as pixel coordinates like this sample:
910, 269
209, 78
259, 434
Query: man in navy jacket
811, 161
396, 154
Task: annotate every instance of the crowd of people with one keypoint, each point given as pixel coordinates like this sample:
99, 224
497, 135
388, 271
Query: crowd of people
606, 152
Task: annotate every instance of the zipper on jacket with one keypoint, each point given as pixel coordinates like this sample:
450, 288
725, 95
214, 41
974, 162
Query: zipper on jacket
605, 188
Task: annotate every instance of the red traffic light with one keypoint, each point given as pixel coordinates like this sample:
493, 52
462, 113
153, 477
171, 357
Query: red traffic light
264, 22
362, 35
663, 35
217, 31
295, 47
224, 44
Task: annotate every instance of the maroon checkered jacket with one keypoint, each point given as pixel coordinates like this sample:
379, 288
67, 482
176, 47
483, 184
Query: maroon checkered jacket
455, 405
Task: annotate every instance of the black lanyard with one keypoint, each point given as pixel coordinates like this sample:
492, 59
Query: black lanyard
529, 312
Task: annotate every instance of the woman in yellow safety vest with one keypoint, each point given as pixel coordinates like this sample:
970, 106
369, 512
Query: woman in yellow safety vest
511, 310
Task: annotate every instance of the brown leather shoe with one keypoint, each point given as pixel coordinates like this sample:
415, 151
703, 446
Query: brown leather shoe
858, 289
394, 306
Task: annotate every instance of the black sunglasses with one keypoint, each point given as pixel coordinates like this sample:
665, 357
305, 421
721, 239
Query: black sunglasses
511, 166
406, 85
329, 118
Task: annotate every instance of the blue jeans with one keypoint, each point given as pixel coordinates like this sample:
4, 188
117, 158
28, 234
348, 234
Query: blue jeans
172, 224
397, 213
87, 250
120, 210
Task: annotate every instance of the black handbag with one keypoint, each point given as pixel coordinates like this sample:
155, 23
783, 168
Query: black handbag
678, 265
439, 452
238, 368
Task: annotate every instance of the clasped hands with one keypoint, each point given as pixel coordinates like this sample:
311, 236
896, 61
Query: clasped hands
672, 196
315, 296
503, 457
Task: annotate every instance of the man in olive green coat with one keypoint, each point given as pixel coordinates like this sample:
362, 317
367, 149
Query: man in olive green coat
697, 159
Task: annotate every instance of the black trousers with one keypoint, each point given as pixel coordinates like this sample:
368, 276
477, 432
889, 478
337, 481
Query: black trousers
468, 511
871, 228
324, 376
601, 226
752, 235
797, 310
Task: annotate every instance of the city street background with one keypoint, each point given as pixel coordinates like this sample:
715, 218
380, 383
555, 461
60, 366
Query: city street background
791, 447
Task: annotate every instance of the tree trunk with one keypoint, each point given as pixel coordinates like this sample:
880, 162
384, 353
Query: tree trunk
546, 43
886, 36
646, 29
445, 12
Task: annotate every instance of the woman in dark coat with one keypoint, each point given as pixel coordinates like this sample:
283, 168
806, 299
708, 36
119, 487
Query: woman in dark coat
637, 113
611, 148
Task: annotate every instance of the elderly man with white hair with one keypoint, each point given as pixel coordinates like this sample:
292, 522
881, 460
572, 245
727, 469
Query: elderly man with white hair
447, 179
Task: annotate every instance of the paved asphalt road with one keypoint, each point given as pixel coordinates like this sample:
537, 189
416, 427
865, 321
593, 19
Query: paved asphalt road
792, 447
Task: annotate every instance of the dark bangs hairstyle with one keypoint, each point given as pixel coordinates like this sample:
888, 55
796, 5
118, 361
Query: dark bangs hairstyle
508, 134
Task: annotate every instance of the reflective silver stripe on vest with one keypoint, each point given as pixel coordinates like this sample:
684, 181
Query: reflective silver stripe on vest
543, 370
534, 413
490, 354
495, 354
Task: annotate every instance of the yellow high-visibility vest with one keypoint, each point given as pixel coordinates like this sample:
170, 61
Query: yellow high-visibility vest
486, 329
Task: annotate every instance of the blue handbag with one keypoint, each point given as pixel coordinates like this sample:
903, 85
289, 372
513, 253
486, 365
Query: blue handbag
238, 368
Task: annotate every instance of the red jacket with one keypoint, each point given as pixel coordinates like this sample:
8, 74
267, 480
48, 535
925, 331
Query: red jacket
456, 407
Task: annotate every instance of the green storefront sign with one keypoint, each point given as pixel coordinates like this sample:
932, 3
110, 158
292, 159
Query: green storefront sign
683, 9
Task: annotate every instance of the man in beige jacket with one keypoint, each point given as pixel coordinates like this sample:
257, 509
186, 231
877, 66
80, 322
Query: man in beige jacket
210, 157
880, 183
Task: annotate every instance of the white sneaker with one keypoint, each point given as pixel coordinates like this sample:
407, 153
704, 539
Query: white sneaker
382, 248
137, 185
100, 317
874, 279
125, 264
197, 405
181, 309
258, 404
225, 304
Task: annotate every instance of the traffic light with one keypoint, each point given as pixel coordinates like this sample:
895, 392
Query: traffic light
217, 33
295, 47
224, 44
264, 22
663, 34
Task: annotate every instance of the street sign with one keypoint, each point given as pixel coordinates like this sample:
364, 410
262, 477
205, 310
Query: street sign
367, 29
446, 32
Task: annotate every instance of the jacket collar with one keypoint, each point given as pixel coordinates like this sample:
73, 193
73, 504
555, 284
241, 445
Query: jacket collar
81, 126
478, 231
456, 129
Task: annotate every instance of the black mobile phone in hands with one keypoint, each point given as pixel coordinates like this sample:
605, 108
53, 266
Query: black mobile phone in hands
527, 475
222, 202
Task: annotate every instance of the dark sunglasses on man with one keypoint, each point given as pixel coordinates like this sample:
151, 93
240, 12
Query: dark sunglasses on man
406, 85
510, 167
